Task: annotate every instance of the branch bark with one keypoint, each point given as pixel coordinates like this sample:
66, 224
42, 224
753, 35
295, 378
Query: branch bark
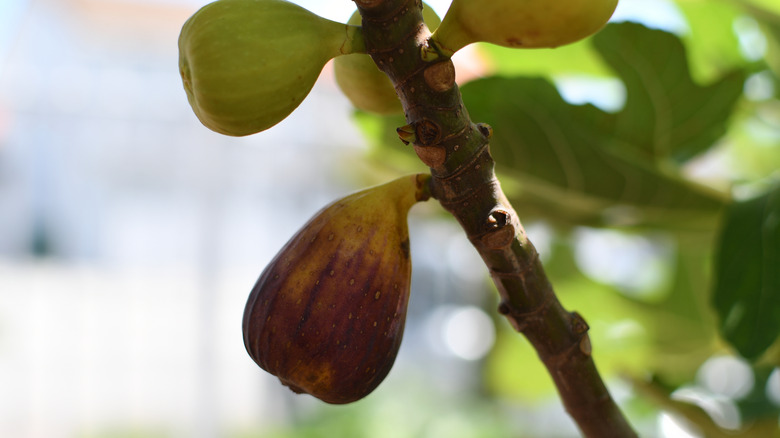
464, 182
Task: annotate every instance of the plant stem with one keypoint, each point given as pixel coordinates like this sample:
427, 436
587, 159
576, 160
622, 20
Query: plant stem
464, 182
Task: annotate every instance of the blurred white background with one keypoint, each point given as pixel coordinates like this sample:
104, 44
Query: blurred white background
130, 235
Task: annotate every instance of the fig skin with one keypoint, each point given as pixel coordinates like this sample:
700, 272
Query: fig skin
247, 64
521, 23
327, 314
367, 87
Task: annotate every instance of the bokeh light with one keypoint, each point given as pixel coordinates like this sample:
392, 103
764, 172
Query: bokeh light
669, 427
728, 376
635, 264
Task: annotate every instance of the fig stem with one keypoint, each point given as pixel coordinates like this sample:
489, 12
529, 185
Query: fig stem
423, 187
464, 182
433, 50
354, 41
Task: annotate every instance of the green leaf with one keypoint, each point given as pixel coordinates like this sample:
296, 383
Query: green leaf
768, 16
553, 160
666, 115
712, 46
747, 274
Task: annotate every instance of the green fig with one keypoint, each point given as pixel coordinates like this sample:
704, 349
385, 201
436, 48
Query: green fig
520, 23
327, 314
247, 64
367, 87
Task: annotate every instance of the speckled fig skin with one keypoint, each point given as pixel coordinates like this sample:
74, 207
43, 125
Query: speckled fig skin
327, 314
525, 24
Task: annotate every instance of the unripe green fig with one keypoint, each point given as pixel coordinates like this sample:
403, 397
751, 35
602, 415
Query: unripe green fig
521, 23
367, 87
327, 314
247, 64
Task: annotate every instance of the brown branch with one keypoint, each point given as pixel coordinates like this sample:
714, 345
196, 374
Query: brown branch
457, 152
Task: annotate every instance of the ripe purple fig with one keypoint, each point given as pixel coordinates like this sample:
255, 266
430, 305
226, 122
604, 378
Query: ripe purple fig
327, 314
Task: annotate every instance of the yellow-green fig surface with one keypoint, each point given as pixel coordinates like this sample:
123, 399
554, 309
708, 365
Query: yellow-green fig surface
247, 64
367, 87
521, 23
327, 314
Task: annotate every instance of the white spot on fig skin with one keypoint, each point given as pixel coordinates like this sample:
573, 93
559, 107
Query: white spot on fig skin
377, 295
330, 236
351, 281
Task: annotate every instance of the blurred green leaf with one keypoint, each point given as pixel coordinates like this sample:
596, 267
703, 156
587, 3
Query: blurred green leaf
756, 405
711, 43
553, 157
682, 324
767, 13
666, 115
747, 274
770, 5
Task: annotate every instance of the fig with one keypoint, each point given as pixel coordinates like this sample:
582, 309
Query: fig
520, 23
367, 87
247, 64
327, 315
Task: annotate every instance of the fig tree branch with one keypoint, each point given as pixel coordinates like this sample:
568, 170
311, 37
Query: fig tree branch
457, 152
